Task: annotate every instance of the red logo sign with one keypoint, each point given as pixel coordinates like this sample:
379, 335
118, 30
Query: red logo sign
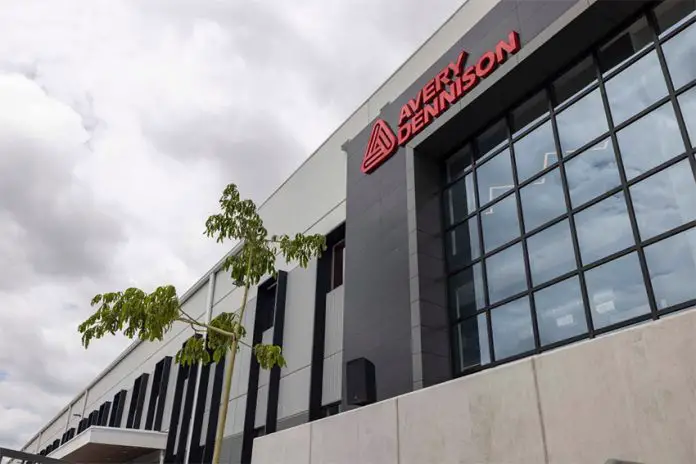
438, 94
381, 146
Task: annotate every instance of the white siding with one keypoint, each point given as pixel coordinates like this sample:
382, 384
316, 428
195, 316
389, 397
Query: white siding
293, 394
299, 318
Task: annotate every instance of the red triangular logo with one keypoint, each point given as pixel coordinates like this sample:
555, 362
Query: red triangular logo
381, 146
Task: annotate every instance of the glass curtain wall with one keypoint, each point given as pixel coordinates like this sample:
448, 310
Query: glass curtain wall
575, 214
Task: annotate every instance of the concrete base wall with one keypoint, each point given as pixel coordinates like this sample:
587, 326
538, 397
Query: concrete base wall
628, 395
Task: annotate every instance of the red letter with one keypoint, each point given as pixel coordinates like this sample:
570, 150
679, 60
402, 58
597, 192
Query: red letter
512, 47
432, 111
469, 80
417, 103
417, 122
404, 134
486, 64
442, 79
429, 92
405, 114
446, 98
458, 66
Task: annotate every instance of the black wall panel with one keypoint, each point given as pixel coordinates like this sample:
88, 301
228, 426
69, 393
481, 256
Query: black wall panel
278, 329
162, 395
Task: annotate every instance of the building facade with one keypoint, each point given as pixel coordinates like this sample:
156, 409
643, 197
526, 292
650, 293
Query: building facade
522, 189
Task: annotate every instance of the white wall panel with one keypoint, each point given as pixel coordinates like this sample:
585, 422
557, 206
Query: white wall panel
293, 394
333, 341
261, 406
55, 430
332, 376
265, 374
299, 318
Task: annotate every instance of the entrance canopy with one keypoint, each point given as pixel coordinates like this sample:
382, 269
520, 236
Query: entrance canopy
108, 444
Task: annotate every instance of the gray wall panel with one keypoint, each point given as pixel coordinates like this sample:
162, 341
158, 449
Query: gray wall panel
333, 343
293, 393
299, 318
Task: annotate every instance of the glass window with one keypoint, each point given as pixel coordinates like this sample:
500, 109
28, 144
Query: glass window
665, 200
616, 291
463, 244
505, 272
650, 141
582, 122
551, 253
672, 266
636, 87
573, 82
500, 223
543, 200
535, 152
471, 338
494, 177
529, 112
687, 103
680, 54
466, 292
626, 44
603, 228
492, 139
512, 329
459, 200
459, 163
560, 312
671, 13
592, 173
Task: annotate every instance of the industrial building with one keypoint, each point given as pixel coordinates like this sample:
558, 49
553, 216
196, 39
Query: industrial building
511, 221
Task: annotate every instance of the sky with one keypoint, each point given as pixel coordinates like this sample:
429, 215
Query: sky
121, 121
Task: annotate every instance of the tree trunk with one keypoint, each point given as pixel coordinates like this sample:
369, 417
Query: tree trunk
222, 417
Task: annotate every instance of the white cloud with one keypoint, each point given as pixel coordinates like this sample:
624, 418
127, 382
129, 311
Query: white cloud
120, 122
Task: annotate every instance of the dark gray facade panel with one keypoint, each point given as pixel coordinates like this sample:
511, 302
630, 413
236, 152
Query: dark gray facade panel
378, 323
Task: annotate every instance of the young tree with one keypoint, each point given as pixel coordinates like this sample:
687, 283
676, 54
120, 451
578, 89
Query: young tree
149, 316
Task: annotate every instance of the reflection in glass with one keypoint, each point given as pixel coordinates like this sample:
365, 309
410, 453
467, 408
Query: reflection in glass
603, 228
494, 177
672, 266
680, 54
512, 329
542, 200
505, 272
459, 200
671, 13
500, 223
636, 87
573, 82
529, 112
650, 141
551, 253
665, 200
616, 291
472, 342
560, 312
581, 122
463, 244
492, 139
466, 292
626, 44
687, 103
459, 163
535, 152
592, 173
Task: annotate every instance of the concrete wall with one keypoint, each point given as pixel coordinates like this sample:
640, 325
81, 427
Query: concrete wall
628, 395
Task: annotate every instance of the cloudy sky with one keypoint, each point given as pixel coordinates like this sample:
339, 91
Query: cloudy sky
120, 123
